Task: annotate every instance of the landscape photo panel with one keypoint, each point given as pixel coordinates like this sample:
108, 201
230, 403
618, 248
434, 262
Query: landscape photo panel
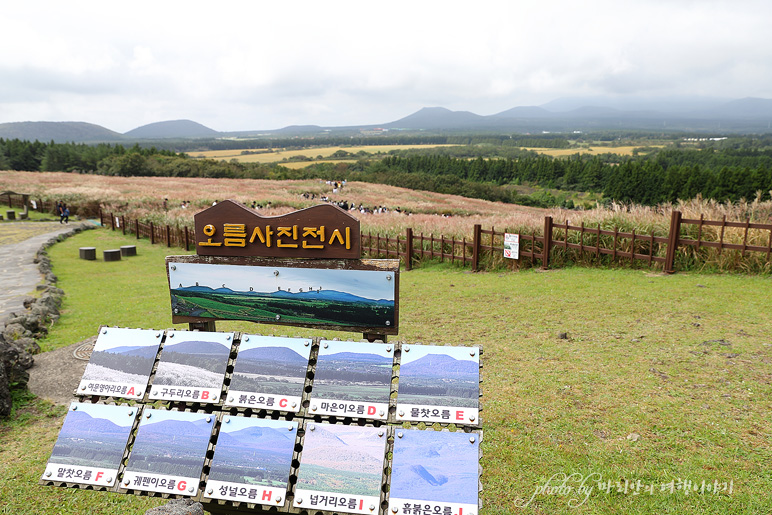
341, 468
91, 444
439, 384
252, 460
192, 366
168, 452
352, 379
437, 470
310, 296
121, 363
270, 373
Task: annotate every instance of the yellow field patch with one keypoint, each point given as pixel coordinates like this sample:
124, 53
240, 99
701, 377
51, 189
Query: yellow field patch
279, 155
593, 150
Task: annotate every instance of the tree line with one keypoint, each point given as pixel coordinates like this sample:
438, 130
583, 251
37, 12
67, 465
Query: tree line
483, 171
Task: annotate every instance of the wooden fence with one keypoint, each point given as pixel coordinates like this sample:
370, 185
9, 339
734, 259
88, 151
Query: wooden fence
485, 249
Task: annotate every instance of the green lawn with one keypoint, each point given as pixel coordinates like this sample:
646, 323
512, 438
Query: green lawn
661, 378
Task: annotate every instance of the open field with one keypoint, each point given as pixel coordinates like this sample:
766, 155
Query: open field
285, 157
660, 379
591, 150
277, 156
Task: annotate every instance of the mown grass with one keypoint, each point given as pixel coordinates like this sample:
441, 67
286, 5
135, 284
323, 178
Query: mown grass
658, 378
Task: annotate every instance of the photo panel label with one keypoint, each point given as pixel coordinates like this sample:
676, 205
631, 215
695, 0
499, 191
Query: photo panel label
168, 452
252, 460
270, 373
121, 363
341, 468
192, 367
439, 384
353, 379
91, 444
434, 472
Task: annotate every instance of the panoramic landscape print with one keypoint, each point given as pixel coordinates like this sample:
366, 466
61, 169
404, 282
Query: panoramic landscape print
271, 365
357, 298
93, 435
122, 357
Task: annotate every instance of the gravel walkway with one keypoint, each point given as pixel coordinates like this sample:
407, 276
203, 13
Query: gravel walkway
55, 374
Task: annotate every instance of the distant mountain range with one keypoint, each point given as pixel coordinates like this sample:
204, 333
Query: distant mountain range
276, 354
142, 351
258, 438
561, 115
317, 295
440, 365
356, 357
198, 348
80, 423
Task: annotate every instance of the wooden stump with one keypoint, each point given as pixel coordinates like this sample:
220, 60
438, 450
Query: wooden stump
128, 250
10, 214
112, 255
87, 253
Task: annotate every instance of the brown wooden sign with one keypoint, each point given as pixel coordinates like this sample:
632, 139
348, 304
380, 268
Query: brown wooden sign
231, 229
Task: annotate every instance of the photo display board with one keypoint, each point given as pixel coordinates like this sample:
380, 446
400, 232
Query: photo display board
192, 366
341, 468
352, 379
354, 295
434, 472
121, 363
332, 452
252, 460
439, 384
169, 451
270, 373
91, 444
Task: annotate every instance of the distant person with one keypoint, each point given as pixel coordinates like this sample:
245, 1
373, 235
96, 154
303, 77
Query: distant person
65, 216
60, 211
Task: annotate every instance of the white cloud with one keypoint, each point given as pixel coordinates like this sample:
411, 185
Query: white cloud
251, 65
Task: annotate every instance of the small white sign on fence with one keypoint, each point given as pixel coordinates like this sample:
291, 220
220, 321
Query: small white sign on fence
511, 246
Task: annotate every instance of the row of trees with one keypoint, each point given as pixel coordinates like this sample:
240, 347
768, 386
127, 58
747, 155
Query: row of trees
29, 156
476, 171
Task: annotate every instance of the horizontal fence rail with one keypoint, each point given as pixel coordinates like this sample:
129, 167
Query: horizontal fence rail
485, 249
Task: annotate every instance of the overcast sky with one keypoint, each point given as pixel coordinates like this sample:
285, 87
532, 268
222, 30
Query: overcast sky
242, 65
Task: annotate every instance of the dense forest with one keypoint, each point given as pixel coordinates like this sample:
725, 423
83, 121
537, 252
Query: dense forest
486, 167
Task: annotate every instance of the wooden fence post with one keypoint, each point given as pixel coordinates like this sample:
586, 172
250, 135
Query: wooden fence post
187, 239
136, 227
672, 241
112, 221
476, 247
545, 252
409, 249
123, 224
152, 234
168, 237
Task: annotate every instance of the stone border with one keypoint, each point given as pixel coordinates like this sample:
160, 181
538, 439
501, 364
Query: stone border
19, 334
